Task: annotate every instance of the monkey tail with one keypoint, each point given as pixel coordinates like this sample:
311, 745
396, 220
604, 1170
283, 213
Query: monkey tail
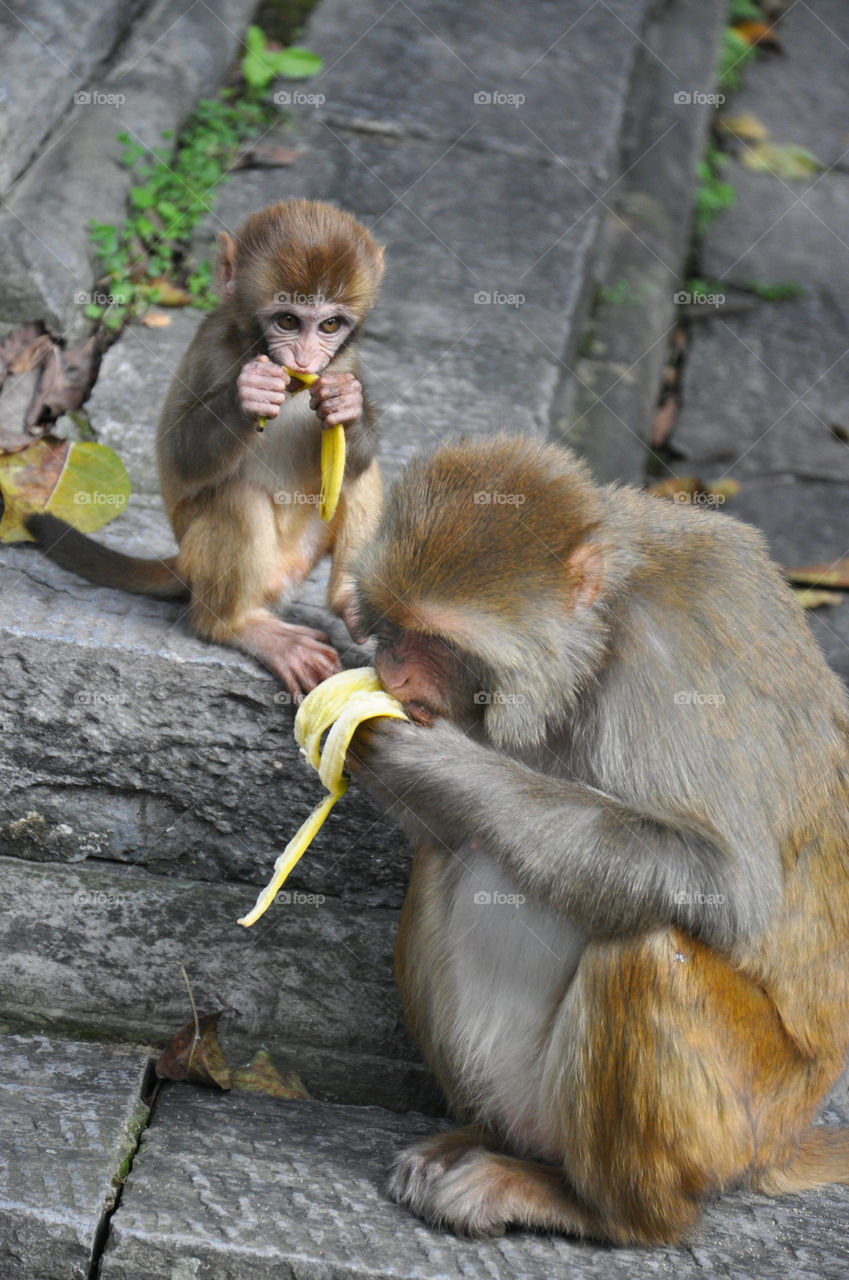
822, 1157
80, 554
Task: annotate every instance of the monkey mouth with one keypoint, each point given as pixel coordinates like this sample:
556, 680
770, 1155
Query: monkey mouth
419, 713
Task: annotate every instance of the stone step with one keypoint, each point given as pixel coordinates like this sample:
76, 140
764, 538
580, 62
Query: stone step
247, 1188
70, 1114
96, 949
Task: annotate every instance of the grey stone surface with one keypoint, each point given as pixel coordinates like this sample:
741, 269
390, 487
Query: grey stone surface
49, 52
609, 398
69, 1114
96, 949
131, 387
763, 389
226, 1188
45, 258
492, 74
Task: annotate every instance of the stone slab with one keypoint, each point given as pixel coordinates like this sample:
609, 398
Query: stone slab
226, 1188
49, 52
69, 1115
96, 950
608, 399
492, 74
151, 86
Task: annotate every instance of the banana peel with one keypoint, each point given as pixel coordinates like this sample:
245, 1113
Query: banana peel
338, 706
332, 456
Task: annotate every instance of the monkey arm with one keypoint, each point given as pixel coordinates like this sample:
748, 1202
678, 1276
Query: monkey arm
614, 868
202, 438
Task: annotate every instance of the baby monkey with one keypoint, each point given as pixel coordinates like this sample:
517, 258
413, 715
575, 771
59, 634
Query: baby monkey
295, 284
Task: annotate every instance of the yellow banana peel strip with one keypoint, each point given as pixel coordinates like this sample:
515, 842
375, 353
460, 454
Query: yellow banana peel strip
332, 456
339, 705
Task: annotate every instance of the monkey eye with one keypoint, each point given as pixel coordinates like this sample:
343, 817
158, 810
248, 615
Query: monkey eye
287, 321
332, 325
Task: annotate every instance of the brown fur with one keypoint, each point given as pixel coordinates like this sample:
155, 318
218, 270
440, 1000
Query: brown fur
620, 1051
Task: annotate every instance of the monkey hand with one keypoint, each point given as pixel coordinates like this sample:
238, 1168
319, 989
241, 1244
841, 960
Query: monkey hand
337, 398
261, 387
374, 741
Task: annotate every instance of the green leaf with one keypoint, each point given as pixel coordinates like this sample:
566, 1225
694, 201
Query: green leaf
84, 483
296, 63
784, 160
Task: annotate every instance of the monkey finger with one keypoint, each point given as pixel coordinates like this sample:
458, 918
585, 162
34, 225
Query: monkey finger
341, 411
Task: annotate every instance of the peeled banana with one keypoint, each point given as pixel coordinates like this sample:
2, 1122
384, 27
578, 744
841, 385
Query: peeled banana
332, 456
339, 705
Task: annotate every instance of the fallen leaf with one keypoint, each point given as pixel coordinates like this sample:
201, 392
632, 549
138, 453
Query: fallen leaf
16, 342
195, 1054
262, 1076
664, 421
725, 488
744, 126
31, 355
16, 399
83, 483
783, 159
265, 156
168, 294
757, 33
812, 598
155, 319
835, 574
674, 485
13, 441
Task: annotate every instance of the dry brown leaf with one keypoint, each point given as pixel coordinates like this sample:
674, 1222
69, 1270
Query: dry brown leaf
31, 355
664, 421
14, 343
169, 294
724, 488
262, 1076
759, 33
155, 319
265, 156
195, 1054
673, 485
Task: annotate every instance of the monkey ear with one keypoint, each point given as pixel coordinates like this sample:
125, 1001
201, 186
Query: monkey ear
225, 270
586, 568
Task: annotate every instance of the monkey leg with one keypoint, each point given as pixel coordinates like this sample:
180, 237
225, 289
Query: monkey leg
231, 553
356, 519
670, 1077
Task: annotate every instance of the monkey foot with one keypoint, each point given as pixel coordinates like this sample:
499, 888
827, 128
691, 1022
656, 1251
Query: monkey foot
300, 656
465, 1187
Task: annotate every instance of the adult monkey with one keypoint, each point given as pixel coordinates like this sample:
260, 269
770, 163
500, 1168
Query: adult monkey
295, 285
624, 945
